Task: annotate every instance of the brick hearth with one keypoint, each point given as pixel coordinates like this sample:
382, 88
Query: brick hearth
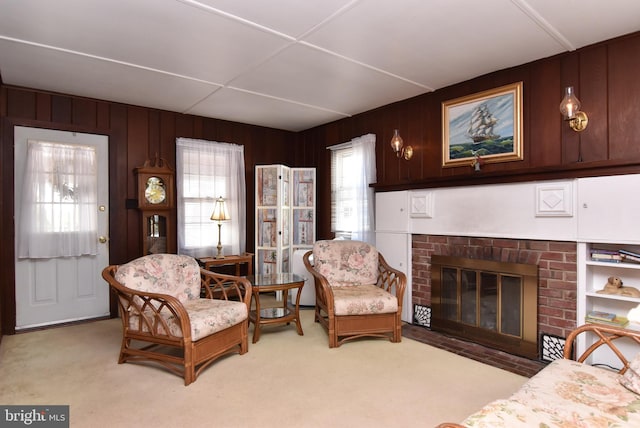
493, 357
557, 288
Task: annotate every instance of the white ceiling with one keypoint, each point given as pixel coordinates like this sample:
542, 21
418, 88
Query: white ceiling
287, 64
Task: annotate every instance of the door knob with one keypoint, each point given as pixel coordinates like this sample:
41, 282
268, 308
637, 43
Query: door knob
102, 239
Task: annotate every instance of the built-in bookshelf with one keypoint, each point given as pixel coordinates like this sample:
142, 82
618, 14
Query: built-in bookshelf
285, 215
594, 271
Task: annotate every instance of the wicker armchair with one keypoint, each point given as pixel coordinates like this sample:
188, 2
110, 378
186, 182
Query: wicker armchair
357, 293
166, 321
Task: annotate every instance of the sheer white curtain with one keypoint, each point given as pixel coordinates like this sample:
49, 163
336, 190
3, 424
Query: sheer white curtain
364, 153
58, 212
353, 168
206, 170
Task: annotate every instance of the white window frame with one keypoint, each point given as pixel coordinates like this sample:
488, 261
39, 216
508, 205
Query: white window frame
206, 170
352, 200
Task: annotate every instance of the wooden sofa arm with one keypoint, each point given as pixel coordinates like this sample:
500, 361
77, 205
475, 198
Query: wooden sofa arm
226, 287
606, 336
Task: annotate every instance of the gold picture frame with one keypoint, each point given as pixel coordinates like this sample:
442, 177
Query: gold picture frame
485, 126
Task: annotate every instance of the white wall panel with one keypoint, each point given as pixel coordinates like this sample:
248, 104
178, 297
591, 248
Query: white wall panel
498, 210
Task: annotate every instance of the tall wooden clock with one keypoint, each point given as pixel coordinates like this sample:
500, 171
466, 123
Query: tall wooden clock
156, 201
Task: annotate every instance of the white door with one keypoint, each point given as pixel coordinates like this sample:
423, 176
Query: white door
57, 290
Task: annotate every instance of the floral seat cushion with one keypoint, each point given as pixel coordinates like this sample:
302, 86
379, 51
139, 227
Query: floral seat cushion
565, 394
362, 299
179, 276
351, 268
207, 316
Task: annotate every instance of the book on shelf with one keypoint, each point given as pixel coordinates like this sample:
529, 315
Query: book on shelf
629, 253
603, 251
600, 315
615, 258
629, 256
604, 255
616, 322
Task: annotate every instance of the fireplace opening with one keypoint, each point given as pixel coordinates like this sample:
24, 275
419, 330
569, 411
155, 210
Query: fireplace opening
487, 302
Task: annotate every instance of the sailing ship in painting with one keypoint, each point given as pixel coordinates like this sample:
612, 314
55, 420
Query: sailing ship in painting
482, 125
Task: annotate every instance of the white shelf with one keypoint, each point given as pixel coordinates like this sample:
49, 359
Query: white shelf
591, 294
592, 276
621, 265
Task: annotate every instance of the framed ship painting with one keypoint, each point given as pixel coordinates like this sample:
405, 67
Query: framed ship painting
485, 127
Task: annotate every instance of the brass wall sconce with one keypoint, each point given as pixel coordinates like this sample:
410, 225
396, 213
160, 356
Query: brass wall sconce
398, 146
570, 109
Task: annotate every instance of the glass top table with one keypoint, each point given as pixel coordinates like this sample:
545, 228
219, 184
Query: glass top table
278, 282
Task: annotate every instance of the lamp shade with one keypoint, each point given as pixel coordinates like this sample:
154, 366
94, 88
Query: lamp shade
396, 141
220, 212
570, 104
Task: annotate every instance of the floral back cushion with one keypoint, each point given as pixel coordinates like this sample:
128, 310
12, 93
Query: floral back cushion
172, 274
346, 262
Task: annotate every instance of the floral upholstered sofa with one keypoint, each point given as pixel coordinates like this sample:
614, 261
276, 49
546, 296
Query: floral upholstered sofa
570, 393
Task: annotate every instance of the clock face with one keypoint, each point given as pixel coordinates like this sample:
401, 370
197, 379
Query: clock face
155, 192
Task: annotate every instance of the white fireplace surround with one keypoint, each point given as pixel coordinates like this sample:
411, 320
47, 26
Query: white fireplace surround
594, 209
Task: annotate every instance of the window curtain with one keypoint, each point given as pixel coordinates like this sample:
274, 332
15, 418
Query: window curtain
353, 168
206, 170
364, 154
59, 201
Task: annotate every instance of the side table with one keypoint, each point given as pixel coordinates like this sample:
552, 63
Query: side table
285, 314
246, 258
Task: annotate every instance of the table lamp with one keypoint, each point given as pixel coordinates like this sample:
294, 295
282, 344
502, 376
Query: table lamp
220, 214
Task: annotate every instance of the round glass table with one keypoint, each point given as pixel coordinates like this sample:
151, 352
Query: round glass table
277, 282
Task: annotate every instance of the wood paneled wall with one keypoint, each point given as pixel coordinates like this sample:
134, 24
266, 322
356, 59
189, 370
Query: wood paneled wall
605, 77
135, 135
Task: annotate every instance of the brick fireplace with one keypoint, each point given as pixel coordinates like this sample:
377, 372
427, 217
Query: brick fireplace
556, 261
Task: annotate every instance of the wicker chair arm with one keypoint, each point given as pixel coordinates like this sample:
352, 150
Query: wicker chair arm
390, 279
323, 290
149, 307
605, 336
226, 287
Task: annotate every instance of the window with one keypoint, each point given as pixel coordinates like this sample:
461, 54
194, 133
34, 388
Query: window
342, 192
353, 168
59, 201
206, 170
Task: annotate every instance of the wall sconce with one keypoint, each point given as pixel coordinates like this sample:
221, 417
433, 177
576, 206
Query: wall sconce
397, 146
570, 109
220, 214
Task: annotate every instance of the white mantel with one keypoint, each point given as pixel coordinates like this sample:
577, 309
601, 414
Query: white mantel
595, 209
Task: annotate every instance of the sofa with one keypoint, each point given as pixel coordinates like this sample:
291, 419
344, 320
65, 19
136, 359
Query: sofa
571, 393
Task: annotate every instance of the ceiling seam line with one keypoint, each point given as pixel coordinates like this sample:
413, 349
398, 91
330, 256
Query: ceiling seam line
362, 64
246, 91
544, 24
110, 60
211, 9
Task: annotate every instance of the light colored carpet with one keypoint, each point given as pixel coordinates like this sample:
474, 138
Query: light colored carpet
285, 380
